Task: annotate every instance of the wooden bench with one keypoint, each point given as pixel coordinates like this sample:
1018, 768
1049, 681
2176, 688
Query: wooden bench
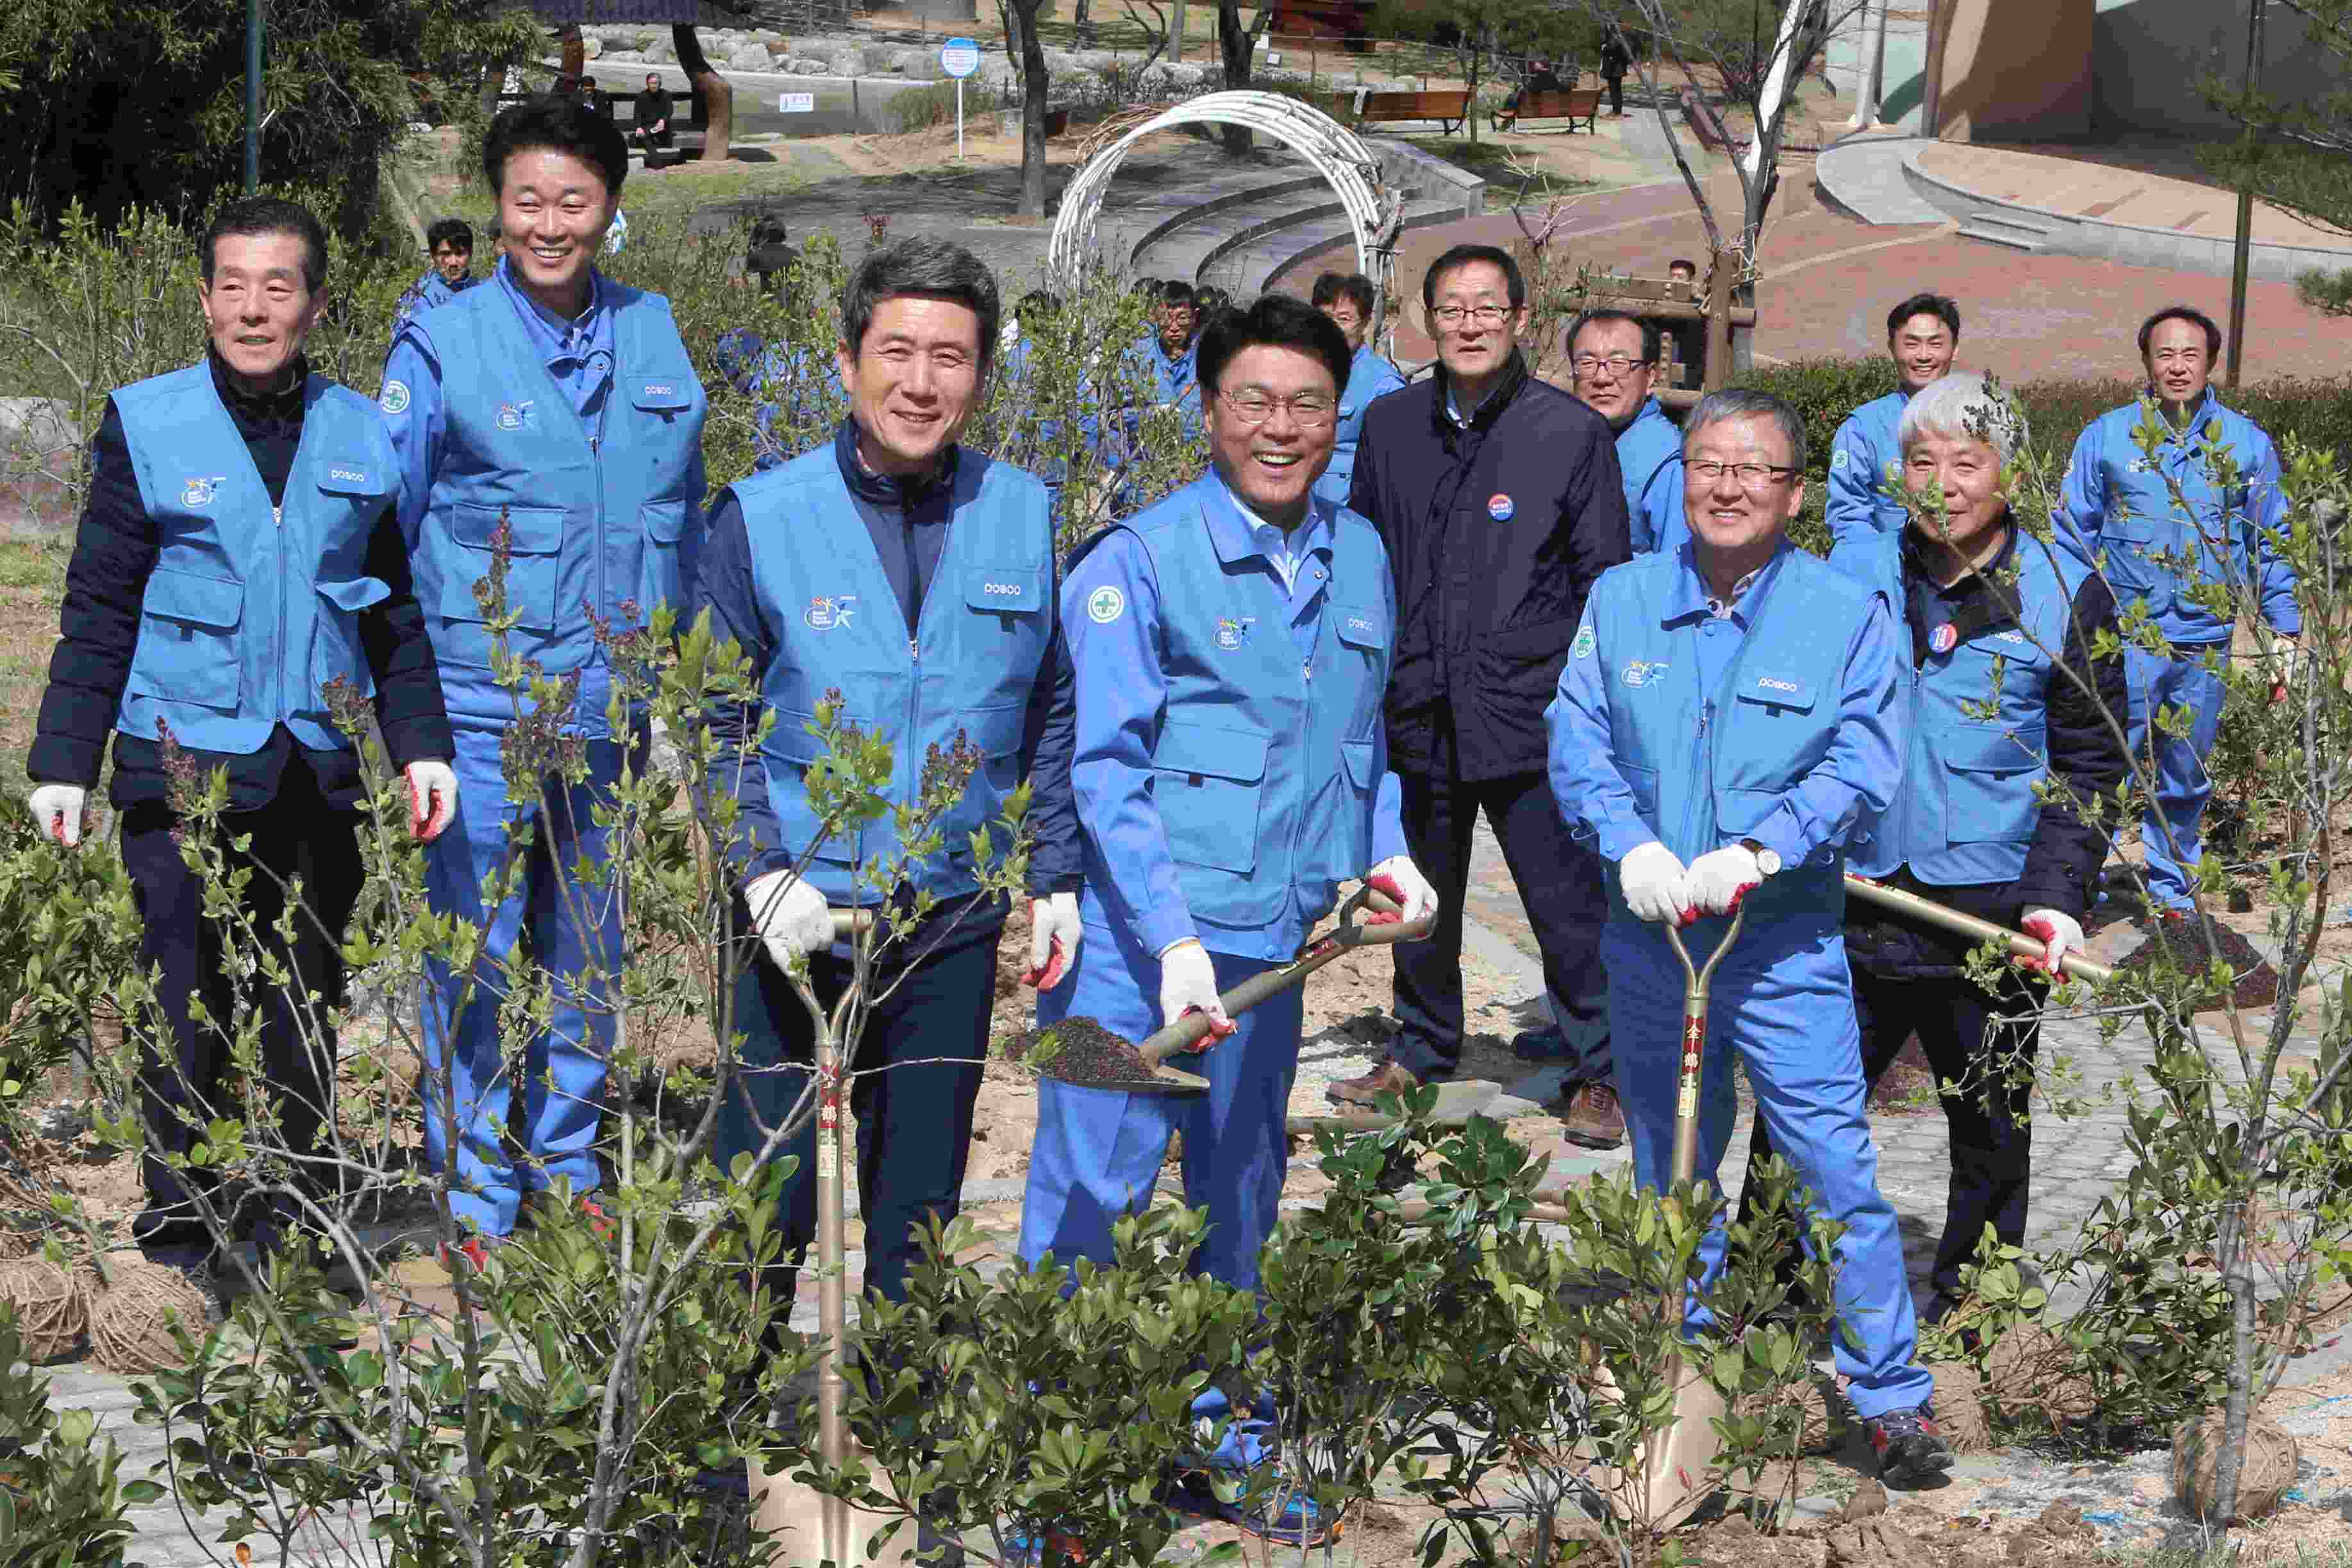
1450, 110
1705, 123
1570, 106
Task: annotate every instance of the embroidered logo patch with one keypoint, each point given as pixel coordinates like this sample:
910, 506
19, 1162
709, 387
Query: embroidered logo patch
1584, 644
518, 417
348, 476
1840, 460
1105, 605
393, 398
1499, 508
824, 614
1645, 672
200, 491
1232, 631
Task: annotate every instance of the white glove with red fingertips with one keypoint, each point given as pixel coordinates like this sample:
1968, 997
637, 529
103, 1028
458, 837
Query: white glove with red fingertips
1401, 880
2061, 933
1721, 877
1054, 935
432, 799
1188, 983
58, 811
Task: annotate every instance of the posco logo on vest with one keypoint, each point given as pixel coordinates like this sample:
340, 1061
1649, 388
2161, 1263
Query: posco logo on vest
1766, 683
200, 491
349, 475
1003, 590
1643, 672
824, 614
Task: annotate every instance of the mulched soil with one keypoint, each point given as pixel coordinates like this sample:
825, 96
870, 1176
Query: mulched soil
2182, 945
1081, 1051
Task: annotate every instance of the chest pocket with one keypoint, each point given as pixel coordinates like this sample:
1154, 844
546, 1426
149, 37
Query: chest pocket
535, 541
356, 494
1206, 784
187, 648
664, 526
1989, 773
1772, 737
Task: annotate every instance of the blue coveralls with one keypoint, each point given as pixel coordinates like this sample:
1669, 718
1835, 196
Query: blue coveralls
1777, 722
1650, 459
2117, 511
1369, 376
585, 440
1860, 454
428, 291
1231, 770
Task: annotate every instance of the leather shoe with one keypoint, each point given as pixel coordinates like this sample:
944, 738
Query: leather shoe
1593, 1117
1388, 1077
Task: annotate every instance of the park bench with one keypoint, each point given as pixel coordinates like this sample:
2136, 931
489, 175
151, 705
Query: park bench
1570, 106
1449, 109
1705, 123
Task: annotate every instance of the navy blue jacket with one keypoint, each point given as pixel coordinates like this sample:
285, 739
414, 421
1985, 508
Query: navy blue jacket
115, 551
1494, 536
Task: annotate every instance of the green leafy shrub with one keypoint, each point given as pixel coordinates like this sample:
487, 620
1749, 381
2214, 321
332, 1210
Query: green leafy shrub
62, 1497
921, 107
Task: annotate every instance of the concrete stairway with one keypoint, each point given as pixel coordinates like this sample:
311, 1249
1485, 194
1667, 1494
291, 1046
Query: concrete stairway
2007, 229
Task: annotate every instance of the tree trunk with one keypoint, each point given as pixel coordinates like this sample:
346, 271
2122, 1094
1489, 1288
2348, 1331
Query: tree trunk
1718, 370
1037, 83
1233, 42
1931, 96
575, 51
1081, 18
1780, 89
717, 95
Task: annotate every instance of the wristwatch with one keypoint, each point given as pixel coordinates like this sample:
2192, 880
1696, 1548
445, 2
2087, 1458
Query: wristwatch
1767, 860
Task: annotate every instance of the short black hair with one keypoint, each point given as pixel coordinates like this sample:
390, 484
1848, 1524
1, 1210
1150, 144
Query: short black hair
1148, 287
927, 267
455, 231
2183, 313
1943, 309
1684, 262
1176, 291
1464, 256
561, 126
1651, 336
1272, 321
1352, 286
252, 217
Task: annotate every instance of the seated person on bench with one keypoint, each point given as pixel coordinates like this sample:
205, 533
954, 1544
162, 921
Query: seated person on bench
650, 126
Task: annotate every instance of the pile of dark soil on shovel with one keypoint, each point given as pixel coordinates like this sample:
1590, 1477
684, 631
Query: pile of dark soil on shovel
2181, 946
1080, 1051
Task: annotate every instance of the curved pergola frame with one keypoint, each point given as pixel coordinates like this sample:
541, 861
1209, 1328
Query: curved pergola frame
1375, 212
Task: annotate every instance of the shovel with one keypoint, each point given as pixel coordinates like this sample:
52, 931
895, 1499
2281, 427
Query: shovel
1895, 901
1150, 1076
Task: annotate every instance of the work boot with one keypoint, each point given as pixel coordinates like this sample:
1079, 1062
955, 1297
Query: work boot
1593, 1117
1909, 1444
1387, 1078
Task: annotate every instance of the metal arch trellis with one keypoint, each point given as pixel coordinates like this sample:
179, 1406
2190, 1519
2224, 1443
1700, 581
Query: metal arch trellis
1375, 211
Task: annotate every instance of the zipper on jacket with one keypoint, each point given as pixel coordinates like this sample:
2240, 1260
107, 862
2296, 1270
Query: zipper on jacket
596, 532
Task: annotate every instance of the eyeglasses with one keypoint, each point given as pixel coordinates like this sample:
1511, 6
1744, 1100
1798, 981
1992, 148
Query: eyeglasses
1482, 315
1615, 365
1751, 476
1311, 410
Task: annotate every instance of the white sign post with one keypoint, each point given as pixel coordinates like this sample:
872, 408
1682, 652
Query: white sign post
958, 58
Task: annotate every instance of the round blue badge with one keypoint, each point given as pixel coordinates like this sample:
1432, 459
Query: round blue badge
1944, 639
1499, 508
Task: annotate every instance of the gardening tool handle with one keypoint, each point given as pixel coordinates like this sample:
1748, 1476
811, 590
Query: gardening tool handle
1186, 1032
1897, 900
1696, 980
848, 923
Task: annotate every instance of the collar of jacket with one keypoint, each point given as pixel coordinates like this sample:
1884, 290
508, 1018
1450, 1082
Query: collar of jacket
1506, 390
885, 489
281, 404
1914, 561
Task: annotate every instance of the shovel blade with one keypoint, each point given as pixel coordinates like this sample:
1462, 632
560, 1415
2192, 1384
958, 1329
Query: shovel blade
1678, 1459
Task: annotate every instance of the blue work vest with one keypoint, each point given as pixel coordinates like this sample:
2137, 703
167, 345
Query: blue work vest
1705, 767
984, 630
251, 609
1965, 810
1262, 768
595, 516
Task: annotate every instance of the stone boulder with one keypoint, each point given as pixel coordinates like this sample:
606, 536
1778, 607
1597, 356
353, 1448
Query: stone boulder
591, 46
748, 58
40, 451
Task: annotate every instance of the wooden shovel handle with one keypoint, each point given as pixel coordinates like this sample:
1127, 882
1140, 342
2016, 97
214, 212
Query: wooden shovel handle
1898, 900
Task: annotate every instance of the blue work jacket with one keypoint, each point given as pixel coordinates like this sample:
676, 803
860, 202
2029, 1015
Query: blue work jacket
251, 608
1860, 503
428, 291
1226, 784
1796, 747
985, 627
1650, 460
1369, 376
1967, 811
2117, 501
602, 516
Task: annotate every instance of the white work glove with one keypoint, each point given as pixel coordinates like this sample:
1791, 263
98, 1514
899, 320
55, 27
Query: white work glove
1656, 887
2283, 652
790, 915
1401, 880
1052, 939
1721, 877
1187, 980
57, 811
2061, 933
432, 799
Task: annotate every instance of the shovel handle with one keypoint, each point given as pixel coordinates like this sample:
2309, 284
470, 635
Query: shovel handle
1696, 981
1897, 900
1351, 933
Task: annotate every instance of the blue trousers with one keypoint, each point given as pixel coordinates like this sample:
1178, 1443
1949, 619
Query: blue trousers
1783, 1004
573, 927
2181, 787
1098, 1151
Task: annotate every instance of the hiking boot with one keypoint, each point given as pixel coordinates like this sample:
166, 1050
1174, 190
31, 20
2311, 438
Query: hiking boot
1387, 1078
1593, 1117
1909, 1444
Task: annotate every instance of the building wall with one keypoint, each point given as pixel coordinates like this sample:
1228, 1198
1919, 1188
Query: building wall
2018, 70
2146, 57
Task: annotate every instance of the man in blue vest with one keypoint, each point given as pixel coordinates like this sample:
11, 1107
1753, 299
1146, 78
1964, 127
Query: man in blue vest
554, 415
2116, 512
1988, 817
1232, 648
1612, 362
1923, 334
915, 576
1726, 725
239, 552
1349, 300
450, 242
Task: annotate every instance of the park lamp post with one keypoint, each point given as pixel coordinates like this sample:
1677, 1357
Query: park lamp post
2245, 213
252, 97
